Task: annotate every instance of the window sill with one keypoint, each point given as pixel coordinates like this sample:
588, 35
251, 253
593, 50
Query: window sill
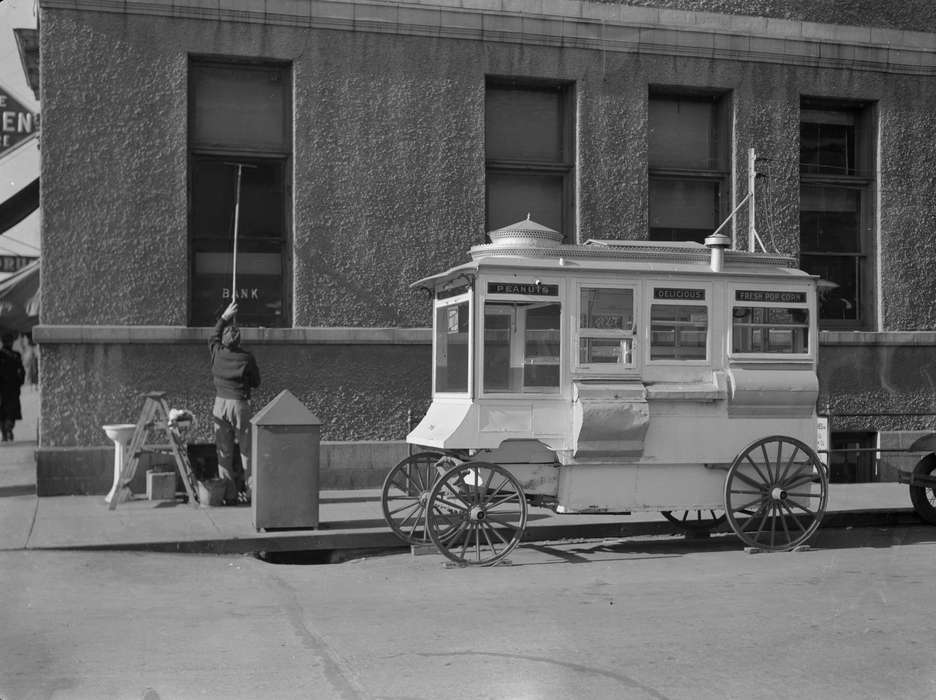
181, 335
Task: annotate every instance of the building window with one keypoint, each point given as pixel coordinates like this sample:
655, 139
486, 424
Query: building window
529, 154
836, 178
688, 164
239, 114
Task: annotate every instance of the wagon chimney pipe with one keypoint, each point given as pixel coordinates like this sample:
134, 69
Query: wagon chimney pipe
718, 243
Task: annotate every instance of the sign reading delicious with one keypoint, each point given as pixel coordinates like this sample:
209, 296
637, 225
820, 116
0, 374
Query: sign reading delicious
16, 122
535, 289
678, 294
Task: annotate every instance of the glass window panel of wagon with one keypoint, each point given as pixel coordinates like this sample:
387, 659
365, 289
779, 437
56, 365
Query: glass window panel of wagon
452, 350
606, 324
499, 373
678, 332
542, 343
776, 330
239, 114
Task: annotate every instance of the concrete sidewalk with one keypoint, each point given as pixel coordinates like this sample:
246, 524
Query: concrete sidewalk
347, 519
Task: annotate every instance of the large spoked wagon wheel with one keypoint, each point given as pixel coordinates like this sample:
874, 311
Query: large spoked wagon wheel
405, 492
923, 498
695, 521
476, 513
776, 493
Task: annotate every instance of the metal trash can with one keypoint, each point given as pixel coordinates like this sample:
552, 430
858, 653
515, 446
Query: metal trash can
284, 455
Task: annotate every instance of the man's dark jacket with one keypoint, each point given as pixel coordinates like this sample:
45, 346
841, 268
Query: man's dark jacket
233, 369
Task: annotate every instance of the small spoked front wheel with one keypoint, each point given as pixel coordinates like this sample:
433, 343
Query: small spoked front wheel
476, 513
776, 493
405, 493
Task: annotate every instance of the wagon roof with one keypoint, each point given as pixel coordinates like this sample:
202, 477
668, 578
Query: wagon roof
647, 257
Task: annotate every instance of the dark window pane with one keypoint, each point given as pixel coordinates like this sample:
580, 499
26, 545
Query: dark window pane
830, 219
682, 134
260, 254
838, 284
511, 196
827, 149
523, 124
683, 210
239, 107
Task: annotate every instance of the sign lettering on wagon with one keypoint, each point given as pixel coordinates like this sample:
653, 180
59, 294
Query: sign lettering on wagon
535, 289
17, 123
770, 295
679, 294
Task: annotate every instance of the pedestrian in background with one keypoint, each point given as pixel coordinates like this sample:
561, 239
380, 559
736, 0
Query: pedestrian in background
12, 376
234, 372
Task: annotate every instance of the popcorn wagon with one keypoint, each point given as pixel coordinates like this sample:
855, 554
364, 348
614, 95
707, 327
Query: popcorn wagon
614, 377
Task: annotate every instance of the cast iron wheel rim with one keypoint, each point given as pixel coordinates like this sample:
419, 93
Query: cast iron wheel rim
776, 493
923, 498
476, 513
699, 520
404, 495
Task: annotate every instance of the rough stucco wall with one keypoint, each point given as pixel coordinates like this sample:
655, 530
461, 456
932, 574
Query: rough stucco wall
388, 174
910, 15
358, 392
113, 174
877, 381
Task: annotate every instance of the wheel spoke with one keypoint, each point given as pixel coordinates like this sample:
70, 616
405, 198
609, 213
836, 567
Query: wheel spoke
448, 487
503, 523
802, 508
764, 480
793, 515
805, 479
744, 508
750, 482
485, 527
770, 475
407, 506
509, 498
786, 469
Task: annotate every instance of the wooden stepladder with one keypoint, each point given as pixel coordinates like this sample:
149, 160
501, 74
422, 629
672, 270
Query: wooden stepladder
155, 433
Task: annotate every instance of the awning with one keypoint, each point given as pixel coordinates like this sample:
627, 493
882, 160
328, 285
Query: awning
18, 206
19, 300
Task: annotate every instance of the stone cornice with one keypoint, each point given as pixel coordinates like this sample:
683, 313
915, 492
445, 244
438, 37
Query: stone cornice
573, 24
181, 335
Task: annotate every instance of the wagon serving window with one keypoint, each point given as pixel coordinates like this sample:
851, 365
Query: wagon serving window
521, 347
678, 324
769, 322
605, 327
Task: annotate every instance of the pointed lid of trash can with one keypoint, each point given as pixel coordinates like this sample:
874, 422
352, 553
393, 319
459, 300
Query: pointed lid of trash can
285, 409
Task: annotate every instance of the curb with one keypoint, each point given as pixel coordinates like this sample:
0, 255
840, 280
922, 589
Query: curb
376, 539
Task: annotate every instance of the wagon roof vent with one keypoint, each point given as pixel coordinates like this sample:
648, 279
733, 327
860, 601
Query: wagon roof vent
526, 233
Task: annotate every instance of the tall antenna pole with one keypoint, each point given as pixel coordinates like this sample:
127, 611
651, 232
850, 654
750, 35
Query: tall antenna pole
751, 183
240, 169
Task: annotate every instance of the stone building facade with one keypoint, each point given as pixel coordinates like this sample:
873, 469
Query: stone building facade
384, 139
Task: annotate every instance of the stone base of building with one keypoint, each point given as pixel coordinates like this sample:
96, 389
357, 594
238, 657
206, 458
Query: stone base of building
89, 471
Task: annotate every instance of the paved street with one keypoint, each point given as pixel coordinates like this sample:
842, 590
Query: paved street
641, 618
